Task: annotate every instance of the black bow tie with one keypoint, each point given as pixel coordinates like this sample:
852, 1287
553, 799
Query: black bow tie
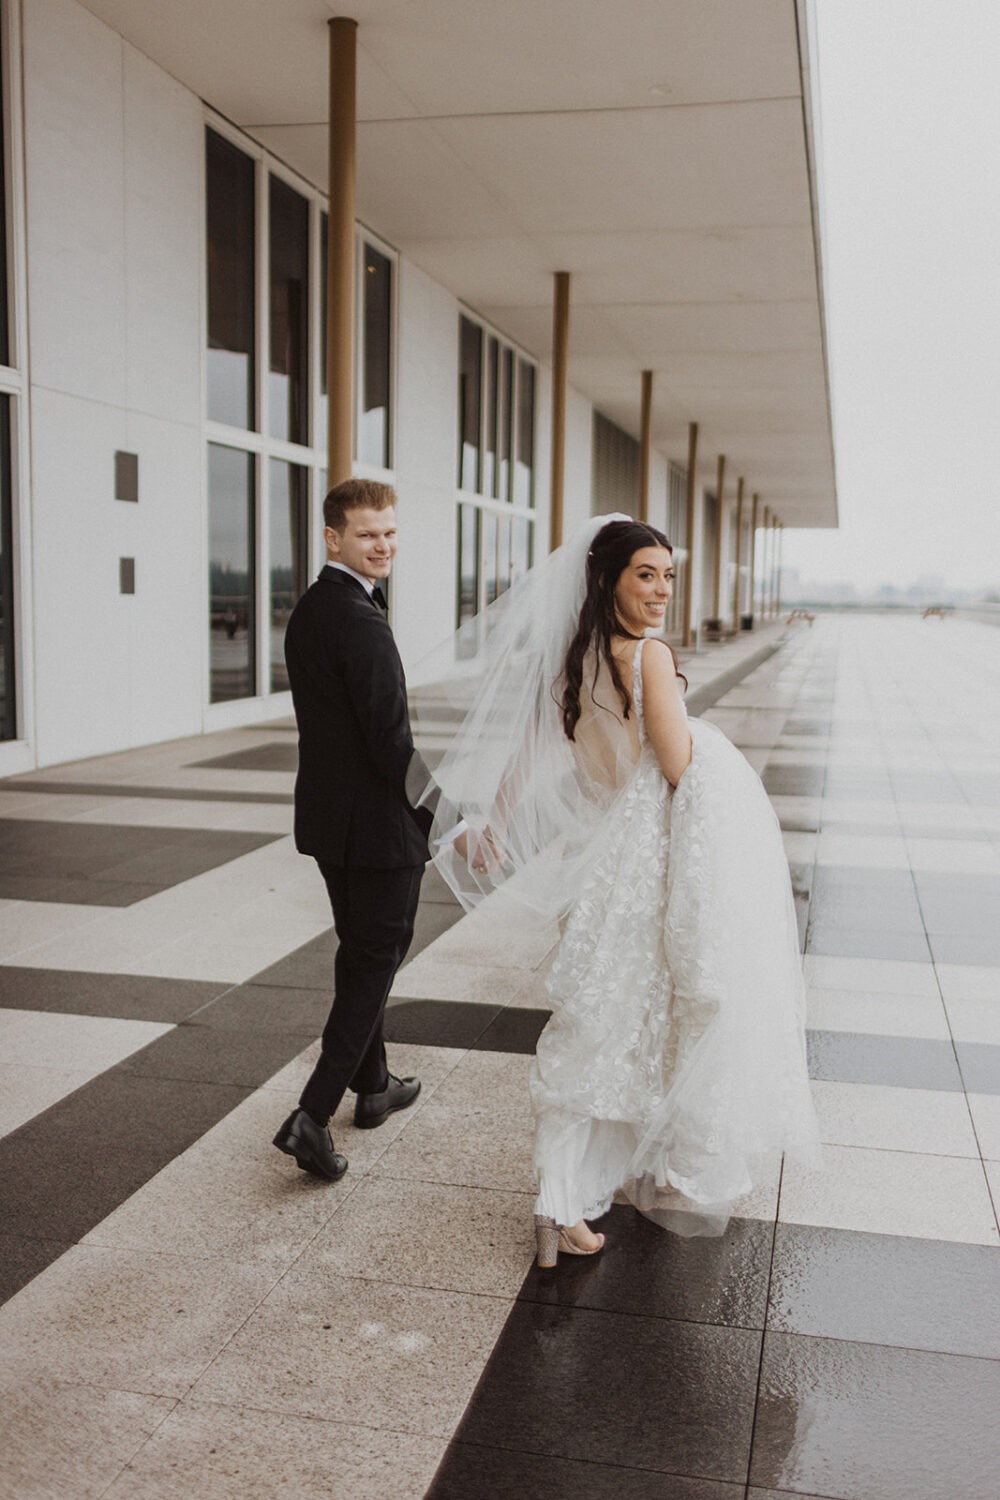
379, 598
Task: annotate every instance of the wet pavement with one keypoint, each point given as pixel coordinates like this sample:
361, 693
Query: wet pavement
184, 1314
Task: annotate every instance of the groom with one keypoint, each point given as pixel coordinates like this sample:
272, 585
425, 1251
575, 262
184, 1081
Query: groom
352, 813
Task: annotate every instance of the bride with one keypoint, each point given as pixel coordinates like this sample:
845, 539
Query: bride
673, 1066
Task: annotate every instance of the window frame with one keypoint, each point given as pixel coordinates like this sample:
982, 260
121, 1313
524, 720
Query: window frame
311, 455
16, 753
494, 508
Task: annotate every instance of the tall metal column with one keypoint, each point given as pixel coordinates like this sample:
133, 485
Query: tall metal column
688, 637
777, 581
341, 256
720, 515
752, 561
560, 365
645, 439
739, 553
766, 561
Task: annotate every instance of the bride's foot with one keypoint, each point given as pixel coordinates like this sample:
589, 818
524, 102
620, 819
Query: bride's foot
571, 1239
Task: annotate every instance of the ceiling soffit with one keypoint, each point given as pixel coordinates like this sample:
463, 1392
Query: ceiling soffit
655, 150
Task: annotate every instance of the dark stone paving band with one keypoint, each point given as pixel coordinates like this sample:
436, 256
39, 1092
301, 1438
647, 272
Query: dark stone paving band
677, 1329
164, 793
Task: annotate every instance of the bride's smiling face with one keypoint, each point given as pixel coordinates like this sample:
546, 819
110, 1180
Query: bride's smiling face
644, 589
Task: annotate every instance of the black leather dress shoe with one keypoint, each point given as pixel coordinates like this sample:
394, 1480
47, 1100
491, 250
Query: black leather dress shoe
372, 1110
311, 1146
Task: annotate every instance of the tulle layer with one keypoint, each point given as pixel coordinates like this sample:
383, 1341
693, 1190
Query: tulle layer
674, 1063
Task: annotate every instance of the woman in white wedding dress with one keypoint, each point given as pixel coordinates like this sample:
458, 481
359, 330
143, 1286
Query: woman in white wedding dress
673, 1066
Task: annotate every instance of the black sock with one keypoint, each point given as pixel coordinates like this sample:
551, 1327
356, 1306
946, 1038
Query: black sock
321, 1120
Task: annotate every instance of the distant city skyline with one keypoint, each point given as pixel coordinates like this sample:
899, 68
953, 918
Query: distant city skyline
909, 118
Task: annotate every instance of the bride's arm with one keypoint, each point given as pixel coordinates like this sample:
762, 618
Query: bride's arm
663, 712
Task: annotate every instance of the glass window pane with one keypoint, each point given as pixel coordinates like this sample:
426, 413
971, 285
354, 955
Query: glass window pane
288, 530
523, 531
4, 312
491, 557
525, 467
231, 573
320, 418
376, 354
230, 215
490, 470
289, 260
505, 554
8, 701
470, 396
468, 578
506, 424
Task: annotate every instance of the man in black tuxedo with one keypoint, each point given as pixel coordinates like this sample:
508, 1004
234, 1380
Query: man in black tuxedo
352, 813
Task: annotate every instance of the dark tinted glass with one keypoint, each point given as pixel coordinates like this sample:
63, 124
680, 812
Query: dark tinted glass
468, 577
490, 471
320, 415
230, 215
491, 556
524, 469
288, 385
506, 424
523, 533
470, 402
4, 323
8, 705
615, 469
231, 573
376, 353
288, 537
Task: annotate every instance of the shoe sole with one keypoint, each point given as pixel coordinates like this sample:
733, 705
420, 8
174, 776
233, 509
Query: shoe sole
372, 1122
307, 1162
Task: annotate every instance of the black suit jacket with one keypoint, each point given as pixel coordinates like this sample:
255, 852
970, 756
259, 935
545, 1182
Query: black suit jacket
355, 742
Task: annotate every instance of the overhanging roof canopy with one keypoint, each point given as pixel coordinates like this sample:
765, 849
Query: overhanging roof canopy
658, 150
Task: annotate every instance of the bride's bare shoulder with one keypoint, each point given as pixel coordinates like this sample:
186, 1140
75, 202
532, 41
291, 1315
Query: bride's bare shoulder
657, 659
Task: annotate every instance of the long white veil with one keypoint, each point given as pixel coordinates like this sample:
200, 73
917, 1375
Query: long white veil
510, 767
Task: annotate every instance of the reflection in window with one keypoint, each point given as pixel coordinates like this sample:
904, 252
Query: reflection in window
321, 414
468, 578
376, 345
230, 215
491, 557
523, 531
289, 556
4, 311
231, 573
470, 400
524, 468
505, 398
490, 477
8, 704
614, 470
289, 375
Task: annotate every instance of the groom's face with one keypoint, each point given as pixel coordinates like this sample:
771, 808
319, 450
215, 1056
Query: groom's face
367, 543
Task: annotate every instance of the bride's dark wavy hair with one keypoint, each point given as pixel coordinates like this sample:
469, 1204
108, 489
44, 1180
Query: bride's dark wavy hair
609, 555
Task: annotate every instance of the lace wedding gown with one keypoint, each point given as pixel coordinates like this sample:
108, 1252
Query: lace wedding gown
674, 1062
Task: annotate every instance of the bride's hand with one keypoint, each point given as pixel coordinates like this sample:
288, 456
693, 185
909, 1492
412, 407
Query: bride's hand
479, 850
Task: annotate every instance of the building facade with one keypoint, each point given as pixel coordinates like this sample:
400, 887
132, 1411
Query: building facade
163, 408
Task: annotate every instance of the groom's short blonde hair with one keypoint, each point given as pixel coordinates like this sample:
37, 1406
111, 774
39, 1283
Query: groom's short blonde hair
355, 494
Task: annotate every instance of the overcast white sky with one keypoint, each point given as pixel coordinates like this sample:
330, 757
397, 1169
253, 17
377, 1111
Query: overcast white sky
909, 118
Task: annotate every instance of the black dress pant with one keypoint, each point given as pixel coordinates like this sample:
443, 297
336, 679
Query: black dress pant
373, 912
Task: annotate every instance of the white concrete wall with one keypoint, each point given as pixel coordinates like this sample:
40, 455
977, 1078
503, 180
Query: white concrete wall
113, 168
